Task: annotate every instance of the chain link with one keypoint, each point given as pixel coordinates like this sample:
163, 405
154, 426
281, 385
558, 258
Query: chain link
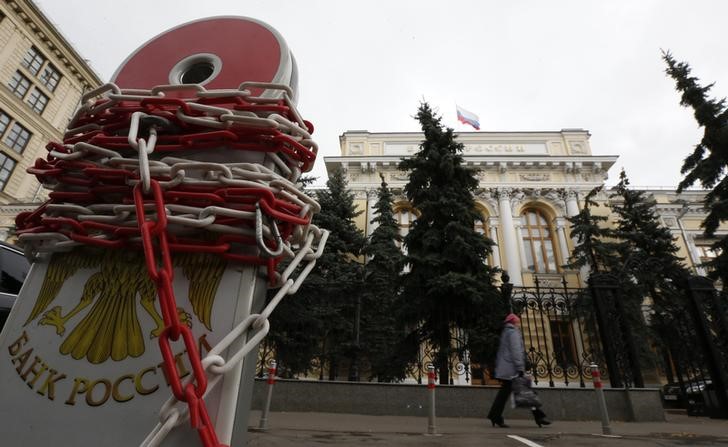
116, 183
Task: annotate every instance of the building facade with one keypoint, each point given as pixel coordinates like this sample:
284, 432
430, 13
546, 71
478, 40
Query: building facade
530, 183
42, 79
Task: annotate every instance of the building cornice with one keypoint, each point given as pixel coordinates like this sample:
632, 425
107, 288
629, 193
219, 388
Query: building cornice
479, 134
19, 207
570, 163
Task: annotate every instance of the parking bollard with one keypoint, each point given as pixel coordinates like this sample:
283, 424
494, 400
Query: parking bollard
431, 390
266, 408
597, 380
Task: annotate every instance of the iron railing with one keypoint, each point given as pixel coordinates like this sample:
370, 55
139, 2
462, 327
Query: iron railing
560, 332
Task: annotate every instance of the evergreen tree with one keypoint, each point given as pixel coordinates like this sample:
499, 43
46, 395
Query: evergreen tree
295, 331
317, 322
449, 277
593, 245
647, 248
336, 281
708, 162
650, 266
381, 338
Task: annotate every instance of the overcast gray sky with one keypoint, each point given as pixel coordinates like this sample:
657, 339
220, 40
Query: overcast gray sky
519, 65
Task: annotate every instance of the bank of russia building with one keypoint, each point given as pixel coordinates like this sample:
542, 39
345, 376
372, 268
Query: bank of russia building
529, 183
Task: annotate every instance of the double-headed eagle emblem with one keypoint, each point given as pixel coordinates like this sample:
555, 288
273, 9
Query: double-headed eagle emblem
111, 327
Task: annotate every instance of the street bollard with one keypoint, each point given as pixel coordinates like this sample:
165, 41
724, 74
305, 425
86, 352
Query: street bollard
266, 408
597, 380
431, 389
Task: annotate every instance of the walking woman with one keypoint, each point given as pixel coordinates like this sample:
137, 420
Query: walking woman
510, 362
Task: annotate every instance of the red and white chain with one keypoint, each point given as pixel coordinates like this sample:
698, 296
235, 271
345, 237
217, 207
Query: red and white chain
116, 183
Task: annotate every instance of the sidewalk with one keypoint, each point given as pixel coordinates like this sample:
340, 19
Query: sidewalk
304, 429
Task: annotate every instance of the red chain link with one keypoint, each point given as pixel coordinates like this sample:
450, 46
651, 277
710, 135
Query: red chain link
156, 229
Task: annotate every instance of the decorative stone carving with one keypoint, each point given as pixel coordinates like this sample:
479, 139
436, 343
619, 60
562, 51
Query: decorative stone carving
501, 193
516, 199
535, 177
488, 196
356, 149
401, 176
549, 281
670, 222
578, 148
556, 198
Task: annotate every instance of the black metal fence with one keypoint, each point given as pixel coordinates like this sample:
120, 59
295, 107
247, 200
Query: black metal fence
560, 332
458, 365
695, 346
567, 329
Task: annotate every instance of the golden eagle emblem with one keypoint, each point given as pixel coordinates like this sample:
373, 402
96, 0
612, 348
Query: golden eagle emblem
111, 327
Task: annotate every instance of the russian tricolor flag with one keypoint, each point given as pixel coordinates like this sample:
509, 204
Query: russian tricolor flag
466, 117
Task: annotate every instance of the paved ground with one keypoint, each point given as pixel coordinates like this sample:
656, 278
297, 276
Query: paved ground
324, 429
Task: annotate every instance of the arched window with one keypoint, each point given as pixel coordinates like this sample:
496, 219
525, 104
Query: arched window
538, 242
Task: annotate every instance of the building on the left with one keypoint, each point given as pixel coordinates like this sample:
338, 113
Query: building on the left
42, 79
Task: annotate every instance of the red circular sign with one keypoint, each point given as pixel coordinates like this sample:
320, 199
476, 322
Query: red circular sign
238, 48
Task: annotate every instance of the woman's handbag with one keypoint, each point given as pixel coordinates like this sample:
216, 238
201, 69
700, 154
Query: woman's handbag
523, 394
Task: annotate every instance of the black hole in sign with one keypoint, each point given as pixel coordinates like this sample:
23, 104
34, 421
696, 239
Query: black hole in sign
197, 73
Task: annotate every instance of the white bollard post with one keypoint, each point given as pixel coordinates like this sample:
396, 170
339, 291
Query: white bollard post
597, 380
266, 408
431, 390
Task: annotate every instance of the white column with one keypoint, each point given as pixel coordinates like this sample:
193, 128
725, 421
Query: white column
521, 247
561, 234
496, 250
572, 209
513, 263
572, 206
371, 201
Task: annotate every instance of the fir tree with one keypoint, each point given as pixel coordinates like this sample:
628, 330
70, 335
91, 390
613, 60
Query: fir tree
449, 277
337, 277
708, 162
647, 248
381, 338
295, 332
317, 322
593, 246
650, 266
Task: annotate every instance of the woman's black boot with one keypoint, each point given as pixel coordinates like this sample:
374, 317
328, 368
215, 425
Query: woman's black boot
540, 417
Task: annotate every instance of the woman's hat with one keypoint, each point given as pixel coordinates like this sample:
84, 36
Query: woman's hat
512, 319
